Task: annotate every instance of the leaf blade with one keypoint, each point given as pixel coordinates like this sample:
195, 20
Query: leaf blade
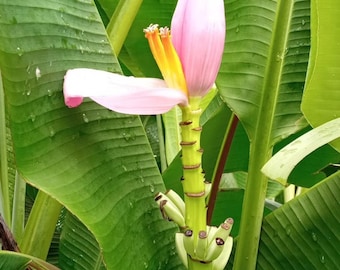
97, 163
302, 234
320, 101
242, 75
283, 162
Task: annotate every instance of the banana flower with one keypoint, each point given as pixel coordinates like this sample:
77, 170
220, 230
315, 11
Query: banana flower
188, 58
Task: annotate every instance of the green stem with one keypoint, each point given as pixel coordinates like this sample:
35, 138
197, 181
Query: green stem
121, 21
40, 226
193, 178
18, 217
5, 207
252, 211
261, 146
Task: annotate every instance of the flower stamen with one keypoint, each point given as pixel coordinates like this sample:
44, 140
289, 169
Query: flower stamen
166, 56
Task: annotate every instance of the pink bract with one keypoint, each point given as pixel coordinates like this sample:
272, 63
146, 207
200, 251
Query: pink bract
120, 93
198, 33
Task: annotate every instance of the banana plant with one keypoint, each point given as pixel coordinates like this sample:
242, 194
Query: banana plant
78, 185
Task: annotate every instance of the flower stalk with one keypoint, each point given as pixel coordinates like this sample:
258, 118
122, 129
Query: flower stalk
193, 177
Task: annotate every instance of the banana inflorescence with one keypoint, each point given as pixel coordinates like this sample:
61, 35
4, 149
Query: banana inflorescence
212, 246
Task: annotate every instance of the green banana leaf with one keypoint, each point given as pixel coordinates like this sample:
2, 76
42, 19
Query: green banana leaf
321, 102
242, 74
78, 248
172, 133
314, 167
307, 173
53, 252
7, 163
17, 261
282, 163
151, 130
304, 233
95, 162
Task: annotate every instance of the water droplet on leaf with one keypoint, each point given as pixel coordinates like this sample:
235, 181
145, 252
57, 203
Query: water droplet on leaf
37, 73
286, 51
52, 132
19, 51
32, 117
279, 57
322, 259
314, 237
86, 120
